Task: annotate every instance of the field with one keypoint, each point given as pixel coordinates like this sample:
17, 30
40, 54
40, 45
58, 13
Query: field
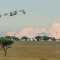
25, 50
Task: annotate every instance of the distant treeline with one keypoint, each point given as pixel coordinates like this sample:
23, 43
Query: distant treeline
25, 38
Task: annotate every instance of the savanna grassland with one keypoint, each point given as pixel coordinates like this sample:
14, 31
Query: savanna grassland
28, 50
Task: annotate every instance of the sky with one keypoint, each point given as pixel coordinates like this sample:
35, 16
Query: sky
42, 18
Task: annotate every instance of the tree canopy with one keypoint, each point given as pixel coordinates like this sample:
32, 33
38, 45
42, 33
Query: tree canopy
24, 37
8, 37
38, 38
4, 43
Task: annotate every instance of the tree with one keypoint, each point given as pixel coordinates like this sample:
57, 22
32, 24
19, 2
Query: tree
45, 38
15, 38
5, 43
24, 37
38, 38
52, 38
8, 37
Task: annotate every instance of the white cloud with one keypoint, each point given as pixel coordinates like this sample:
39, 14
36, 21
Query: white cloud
12, 34
54, 31
31, 32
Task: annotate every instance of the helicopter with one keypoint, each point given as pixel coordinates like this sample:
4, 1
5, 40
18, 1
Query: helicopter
13, 13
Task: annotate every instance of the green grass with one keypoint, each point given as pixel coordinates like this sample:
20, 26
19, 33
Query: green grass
32, 51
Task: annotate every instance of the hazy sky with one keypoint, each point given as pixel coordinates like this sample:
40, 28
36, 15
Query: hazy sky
39, 14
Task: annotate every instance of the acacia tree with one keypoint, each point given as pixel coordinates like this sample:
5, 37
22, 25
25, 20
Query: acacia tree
24, 37
15, 38
5, 43
45, 38
8, 37
38, 38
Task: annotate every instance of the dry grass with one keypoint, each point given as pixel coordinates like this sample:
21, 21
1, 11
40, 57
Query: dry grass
32, 51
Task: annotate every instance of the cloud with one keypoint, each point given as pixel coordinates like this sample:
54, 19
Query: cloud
12, 34
29, 32
54, 31
32, 32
